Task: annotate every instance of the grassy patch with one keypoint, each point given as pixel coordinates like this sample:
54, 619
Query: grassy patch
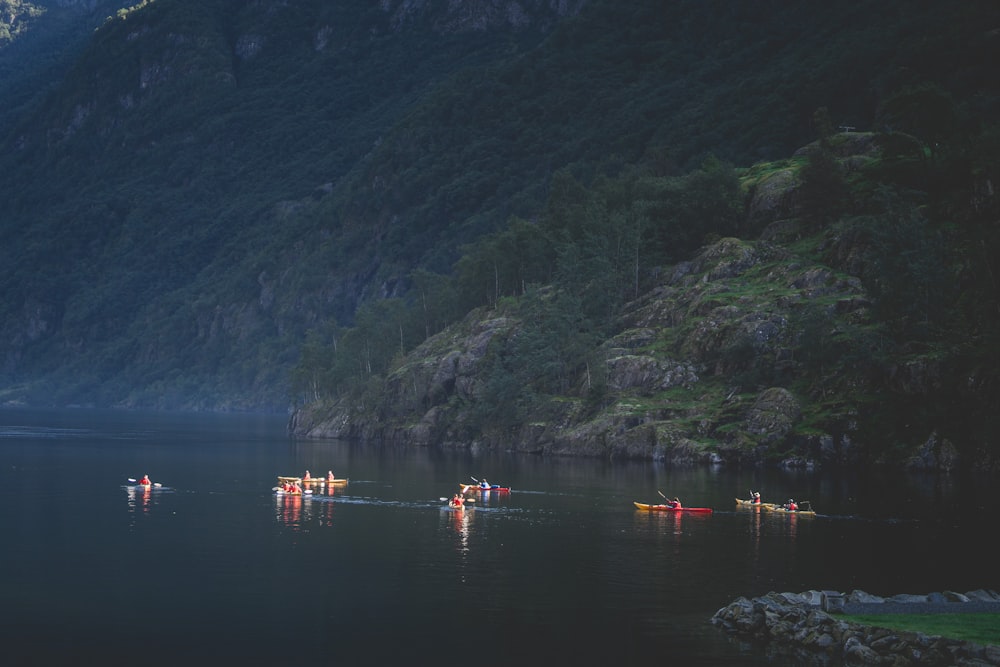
979, 628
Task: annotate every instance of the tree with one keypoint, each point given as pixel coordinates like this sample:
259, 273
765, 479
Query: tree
925, 111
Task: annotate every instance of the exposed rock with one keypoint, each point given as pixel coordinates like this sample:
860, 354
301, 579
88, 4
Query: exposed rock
773, 414
648, 373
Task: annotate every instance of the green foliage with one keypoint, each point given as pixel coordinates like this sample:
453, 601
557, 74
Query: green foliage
979, 628
193, 204
824, 194
679, 214
909, 279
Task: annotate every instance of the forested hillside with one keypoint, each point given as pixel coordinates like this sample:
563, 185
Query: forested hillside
39, 41
246, 206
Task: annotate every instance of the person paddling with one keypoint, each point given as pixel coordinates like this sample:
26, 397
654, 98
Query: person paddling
755, 497
457, 501
791, 506
145, 481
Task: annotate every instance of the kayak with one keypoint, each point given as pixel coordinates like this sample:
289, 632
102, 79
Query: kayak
666, 508
747, 503
466, 488
281, 492
781, 510
312, 480
136, 485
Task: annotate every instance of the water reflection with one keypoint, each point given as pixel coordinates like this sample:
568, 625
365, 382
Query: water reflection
324, 510
140, 499
293, 511
784, 524
459, 520
669, 522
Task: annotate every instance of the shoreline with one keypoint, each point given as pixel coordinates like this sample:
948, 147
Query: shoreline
812, 623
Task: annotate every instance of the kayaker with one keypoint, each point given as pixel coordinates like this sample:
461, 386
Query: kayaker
457, 501
145, 480
755, 497
791, 506
484, 484
307, 476
674, 504
329, 476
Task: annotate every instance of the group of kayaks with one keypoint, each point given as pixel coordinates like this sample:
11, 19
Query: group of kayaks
304, 486
469, 492
802, 507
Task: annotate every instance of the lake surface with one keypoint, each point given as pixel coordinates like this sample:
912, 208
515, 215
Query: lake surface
213, 568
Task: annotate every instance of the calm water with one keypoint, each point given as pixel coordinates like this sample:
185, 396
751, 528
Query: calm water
214, 569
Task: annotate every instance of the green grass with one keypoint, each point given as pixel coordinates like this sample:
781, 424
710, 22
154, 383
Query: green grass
979, 628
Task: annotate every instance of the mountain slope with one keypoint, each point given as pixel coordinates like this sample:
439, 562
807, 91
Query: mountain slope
213, 179
39, 41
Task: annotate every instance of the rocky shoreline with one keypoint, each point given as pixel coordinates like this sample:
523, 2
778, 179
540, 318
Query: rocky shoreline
807, 625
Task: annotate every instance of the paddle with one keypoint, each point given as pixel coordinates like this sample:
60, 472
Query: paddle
477, 481
669, 501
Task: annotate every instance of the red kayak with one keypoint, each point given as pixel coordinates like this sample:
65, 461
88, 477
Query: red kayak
466, 488
667, 508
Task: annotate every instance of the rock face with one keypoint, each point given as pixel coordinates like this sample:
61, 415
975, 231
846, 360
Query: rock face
806, 624
701, 324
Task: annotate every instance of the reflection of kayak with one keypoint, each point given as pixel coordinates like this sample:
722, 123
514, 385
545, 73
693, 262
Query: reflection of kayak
466, 488
666, 508
746, 503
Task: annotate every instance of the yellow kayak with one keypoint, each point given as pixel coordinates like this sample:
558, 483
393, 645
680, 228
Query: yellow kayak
781, 510
747, 503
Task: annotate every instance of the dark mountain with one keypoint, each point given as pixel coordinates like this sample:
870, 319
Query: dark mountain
212, 180
39, 41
